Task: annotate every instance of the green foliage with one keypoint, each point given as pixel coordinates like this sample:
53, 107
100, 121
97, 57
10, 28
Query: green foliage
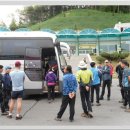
81, 19
13, 26
115, 55
100, 59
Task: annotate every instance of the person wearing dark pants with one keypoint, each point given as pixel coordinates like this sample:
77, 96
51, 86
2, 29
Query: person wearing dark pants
106, 80
51, 79
95, 85
126, 84
119, 71
108, 84
84, 77
65, 101
51, 92
97, 89
127, 98
6, 92
86, 104
69, 94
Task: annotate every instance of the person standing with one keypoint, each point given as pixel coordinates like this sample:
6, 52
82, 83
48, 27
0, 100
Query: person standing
111, 71
106, 80
1, 83
17, 77
51, 82
119, 71
6, 91
95, 85
84, 77
69, 93
126, 84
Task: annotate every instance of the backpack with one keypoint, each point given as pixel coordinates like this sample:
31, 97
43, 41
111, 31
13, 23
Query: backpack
125, 81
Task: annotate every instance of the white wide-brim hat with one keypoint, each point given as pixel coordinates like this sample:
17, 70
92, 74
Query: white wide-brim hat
82, 64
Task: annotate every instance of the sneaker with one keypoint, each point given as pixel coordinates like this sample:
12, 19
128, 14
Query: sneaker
9, 116
58, 119
4, 113
127, 110
84, 115
121, 101
19, 117
101, 98
90, 115
108, 98
98, 104
123, 107
71, 120
92, 104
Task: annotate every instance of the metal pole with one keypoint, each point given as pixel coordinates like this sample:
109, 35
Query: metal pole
98, 46
77, 47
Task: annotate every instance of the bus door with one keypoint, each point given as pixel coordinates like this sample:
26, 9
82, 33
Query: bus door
33, 66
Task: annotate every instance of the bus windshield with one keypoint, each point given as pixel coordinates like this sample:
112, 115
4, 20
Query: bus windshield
62, 58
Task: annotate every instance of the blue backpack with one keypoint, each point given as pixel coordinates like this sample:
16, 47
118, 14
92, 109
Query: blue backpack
125, 81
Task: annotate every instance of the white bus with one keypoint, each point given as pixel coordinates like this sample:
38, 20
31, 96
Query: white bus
65, 49
35, 50
121, 26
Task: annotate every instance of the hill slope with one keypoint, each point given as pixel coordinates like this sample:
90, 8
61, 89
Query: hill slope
82, 18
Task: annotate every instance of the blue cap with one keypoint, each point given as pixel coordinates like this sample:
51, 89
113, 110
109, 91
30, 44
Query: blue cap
7, 67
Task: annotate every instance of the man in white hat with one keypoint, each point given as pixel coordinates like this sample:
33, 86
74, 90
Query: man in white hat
84, 77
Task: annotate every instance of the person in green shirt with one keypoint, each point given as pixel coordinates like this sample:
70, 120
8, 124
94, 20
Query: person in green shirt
84, 78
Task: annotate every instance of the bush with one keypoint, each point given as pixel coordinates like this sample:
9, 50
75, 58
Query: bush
100, 59
105, 55
114, 55
124, 55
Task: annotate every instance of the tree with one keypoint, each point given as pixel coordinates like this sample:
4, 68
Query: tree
13, 26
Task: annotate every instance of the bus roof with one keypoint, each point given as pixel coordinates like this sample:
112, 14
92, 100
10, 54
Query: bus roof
30, 34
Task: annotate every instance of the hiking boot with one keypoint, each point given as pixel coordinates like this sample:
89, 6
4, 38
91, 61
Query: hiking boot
84, 115
9, 116
4, 113
71, 120
127, 110
89, 115
121, 101
101, 98
58, 119
98, 104
19, 117
108, 98
123, 107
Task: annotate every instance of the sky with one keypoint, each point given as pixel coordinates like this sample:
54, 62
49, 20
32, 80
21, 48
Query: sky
6, 12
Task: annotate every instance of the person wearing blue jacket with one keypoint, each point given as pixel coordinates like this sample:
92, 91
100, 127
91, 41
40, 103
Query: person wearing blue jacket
95, 85
6, 91
106, 76
69, 93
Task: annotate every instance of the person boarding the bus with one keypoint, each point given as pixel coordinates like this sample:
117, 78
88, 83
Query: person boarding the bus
51, 83
17, 77
6, 91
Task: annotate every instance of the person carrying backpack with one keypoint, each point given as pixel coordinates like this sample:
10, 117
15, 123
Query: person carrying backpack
126, 84
51, 83
6, 91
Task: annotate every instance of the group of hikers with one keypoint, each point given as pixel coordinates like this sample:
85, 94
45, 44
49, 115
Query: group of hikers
11, 89
88, 79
